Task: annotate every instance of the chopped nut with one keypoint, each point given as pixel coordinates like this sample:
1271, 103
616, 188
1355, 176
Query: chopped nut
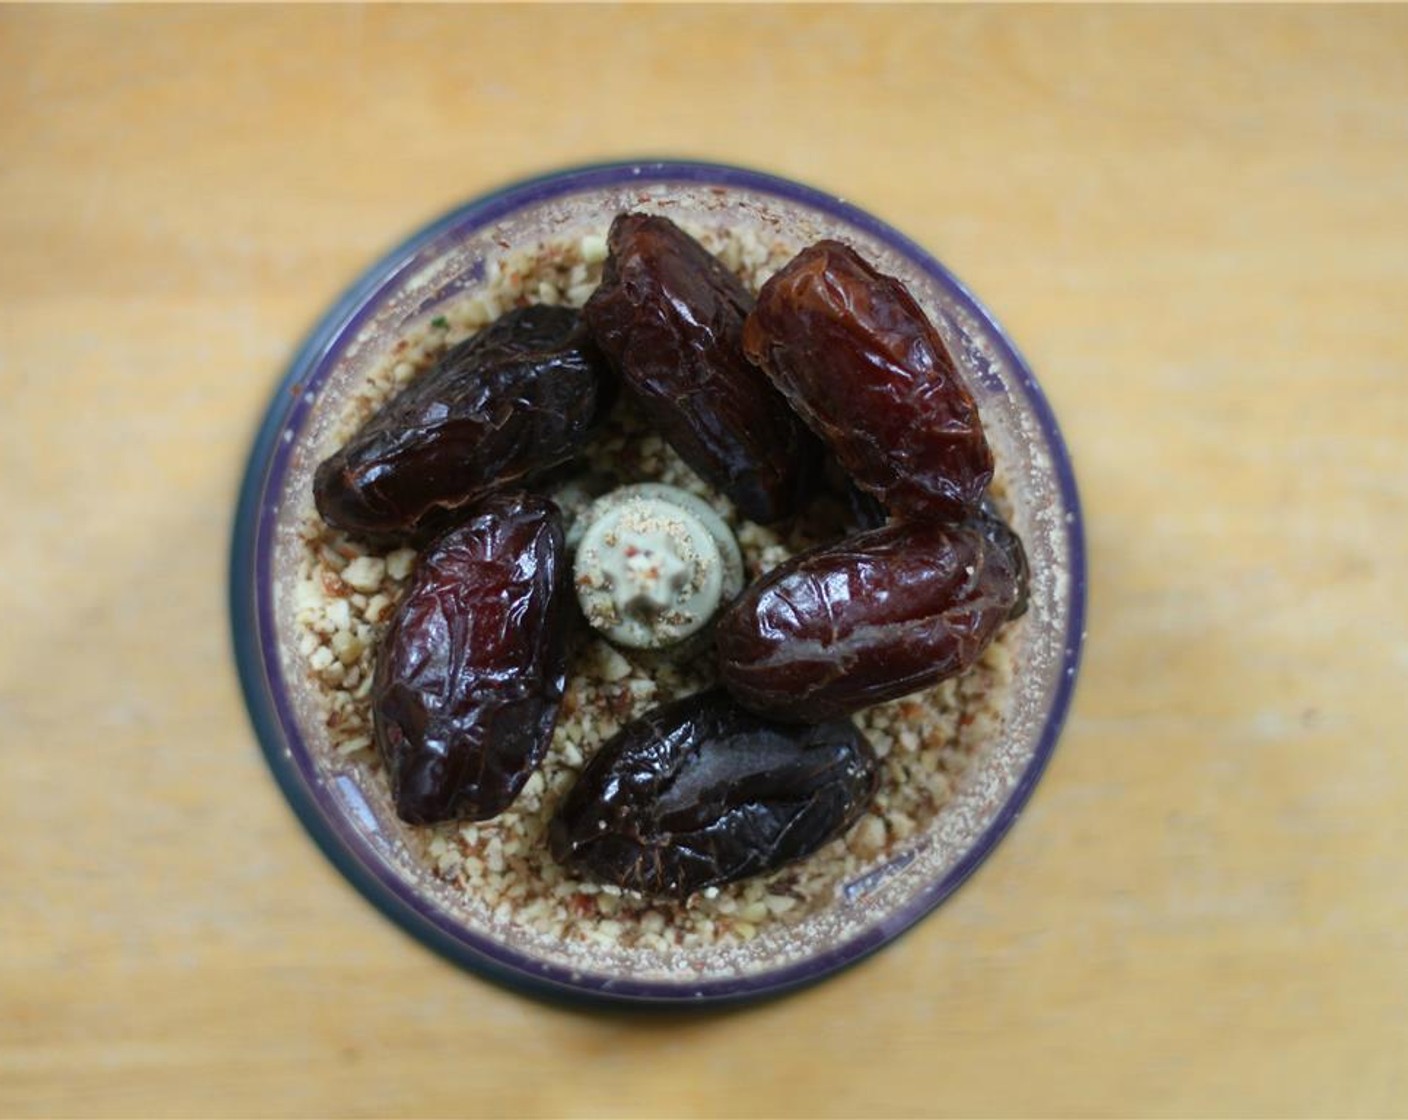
347, 647
754, 912
400, 563
614, 667
867, 838
354, 744
593, 248
338, 614
378, 608
365, 573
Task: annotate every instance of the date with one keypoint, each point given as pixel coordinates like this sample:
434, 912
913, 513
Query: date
861, 363
875, 617
990, 522
700, 792
670, 317
517, 398
471, 670
862, 509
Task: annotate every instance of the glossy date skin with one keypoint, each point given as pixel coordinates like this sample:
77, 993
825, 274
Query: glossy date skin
990, 522
471, 670
861, 363
875, 617
670, 317
863, 511
700, 792
519, 397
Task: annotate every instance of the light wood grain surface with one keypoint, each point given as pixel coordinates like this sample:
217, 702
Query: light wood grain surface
1194, 221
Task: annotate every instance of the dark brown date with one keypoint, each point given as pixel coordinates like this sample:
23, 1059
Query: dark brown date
471, 671
990, 522
700, 792
875, 617
670, 316
517, 398
862, 364
862, 509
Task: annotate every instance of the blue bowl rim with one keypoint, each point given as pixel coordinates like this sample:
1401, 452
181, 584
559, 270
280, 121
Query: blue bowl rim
271, 713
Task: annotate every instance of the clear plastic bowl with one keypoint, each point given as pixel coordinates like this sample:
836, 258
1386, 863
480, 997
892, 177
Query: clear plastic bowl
447, 259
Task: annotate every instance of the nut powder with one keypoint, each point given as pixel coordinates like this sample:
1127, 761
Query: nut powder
498, 873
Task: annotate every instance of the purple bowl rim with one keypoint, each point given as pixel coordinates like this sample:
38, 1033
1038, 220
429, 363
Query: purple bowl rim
268, 702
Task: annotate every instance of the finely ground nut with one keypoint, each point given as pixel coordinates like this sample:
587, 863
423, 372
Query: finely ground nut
499, 870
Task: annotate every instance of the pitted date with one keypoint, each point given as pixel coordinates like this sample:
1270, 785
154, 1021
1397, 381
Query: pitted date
471, 671
862, 364
518, 397
670, 316
875, 617
700, 792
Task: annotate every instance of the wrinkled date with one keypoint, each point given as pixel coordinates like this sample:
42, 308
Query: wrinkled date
865, 368
699, 792
518, 397
471, 671
992, 525
862, 509
670, 318
875, 617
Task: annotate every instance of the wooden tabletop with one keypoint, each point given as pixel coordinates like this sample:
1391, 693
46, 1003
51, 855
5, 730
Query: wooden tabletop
1195, 223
